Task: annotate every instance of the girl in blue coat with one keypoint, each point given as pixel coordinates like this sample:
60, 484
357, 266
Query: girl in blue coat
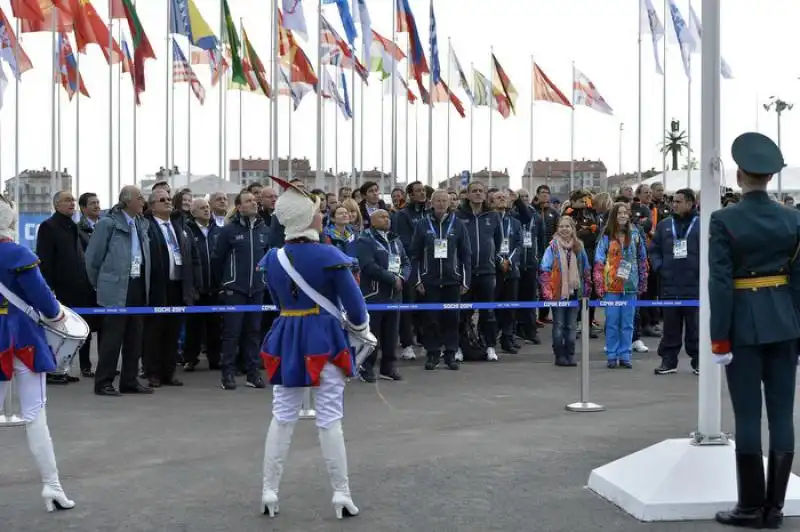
24, 352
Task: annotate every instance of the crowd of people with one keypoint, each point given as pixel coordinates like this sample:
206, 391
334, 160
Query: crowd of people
479, 244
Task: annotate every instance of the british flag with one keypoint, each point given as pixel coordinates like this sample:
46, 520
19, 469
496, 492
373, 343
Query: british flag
336, 51
183, 73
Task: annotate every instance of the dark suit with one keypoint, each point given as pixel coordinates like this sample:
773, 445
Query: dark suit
206, 326
161, 332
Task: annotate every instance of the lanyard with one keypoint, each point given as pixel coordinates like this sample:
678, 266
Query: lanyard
387, 250
686, 236
449, 227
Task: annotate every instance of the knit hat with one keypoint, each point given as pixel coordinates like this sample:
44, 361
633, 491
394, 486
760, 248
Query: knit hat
8, 219
295, 210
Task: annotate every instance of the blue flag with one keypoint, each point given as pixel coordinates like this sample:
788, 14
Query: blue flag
347, 111
436, 70
347, 20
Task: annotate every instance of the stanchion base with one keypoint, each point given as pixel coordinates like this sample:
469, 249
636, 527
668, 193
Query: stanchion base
677, 481
11, 421
585, 407
308, 414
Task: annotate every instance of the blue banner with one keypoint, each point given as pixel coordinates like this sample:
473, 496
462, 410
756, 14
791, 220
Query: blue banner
28, 224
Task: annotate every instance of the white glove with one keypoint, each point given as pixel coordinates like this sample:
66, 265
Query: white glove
724, 359
358, 328
58, 319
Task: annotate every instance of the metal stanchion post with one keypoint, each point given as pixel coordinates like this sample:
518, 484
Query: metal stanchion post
307, 408
584, 405
8, 416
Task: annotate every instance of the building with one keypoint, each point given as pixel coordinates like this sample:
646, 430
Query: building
500, 180
615, 182
556, 174
258, 171
37, 189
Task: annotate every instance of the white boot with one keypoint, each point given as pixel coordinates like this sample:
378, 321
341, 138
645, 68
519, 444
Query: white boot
279, 438
41, 447
332, 442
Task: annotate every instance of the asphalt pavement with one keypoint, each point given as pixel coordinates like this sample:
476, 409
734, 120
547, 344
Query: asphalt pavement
487, 448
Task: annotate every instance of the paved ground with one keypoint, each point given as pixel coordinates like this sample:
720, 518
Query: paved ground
487, 448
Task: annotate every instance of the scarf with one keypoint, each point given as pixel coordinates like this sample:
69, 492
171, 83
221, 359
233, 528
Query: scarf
568, 263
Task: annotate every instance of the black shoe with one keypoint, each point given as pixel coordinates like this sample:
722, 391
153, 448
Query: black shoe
650, 332
508, 347
138, 388
625, 364
190, 367
749, 511
450, 361
571, 361
228, 382
256, 382
87, 374
561, 360
57, 378
611, 364
516, 343
366, 373
431, 361
70, 378
107, 390
172, 382
779, 469
663, 369
535, 339
392, 375
214, 366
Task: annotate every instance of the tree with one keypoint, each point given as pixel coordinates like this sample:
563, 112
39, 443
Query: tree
674, 145
691, 165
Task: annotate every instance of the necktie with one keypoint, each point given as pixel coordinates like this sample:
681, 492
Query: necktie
171, 240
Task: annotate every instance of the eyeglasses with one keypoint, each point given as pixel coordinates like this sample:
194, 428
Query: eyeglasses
162, 200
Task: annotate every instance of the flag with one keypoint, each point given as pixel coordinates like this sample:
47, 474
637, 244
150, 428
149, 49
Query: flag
141, 46
3, 84
585, 93
27, 10
293, 56
696, 31
185, 19
257, 66
442, 93
500, 80
650, 23
436, 68
294, 89
329, 90
335, 50
129, 61
183, 73
230, 37
89, 28
12, 52
384, 55
366, 32
685, 41
407, 24
117, 9
545, 90
293, 18
481, 88
347, 20
63, 18
68, 74
347, 110
459, 73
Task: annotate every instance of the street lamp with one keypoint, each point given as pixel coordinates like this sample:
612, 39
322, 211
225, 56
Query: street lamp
780, 106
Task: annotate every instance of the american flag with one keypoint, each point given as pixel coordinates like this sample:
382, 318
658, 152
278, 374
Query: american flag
436, 70
183, 73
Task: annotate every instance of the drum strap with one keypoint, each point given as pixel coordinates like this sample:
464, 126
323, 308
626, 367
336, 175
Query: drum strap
19, 303
298, 279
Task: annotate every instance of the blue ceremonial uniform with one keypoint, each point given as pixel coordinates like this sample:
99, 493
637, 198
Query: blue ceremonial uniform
304, 338
20, 336
754, 290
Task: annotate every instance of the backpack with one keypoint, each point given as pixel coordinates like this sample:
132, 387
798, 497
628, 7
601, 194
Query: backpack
472, 346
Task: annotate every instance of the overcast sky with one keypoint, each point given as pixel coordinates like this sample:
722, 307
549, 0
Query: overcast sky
759, 41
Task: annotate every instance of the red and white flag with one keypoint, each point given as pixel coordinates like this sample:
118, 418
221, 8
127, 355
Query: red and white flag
585, 93
545, 90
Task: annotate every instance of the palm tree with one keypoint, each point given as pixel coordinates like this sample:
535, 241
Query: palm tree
674, 145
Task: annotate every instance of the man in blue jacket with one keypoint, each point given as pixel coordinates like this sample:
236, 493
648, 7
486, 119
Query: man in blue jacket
405, 222
675, 257
486, 239
441, 268
507, 269
385, 269
240, 246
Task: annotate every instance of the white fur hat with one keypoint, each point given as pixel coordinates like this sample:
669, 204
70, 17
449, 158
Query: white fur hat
8, 219
295, 210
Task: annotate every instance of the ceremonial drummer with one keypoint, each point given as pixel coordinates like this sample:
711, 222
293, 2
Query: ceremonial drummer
307, 346
754, 290
24, 352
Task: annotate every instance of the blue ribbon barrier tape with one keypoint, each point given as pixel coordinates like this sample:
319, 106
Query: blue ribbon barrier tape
402, 307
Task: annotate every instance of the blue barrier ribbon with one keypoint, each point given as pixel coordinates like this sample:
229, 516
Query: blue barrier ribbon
401, 307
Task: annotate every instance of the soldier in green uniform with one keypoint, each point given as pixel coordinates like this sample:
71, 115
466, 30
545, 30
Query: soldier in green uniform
754, 289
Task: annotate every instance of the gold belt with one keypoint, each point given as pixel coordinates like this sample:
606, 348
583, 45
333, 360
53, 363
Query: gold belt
299, 313
754, 283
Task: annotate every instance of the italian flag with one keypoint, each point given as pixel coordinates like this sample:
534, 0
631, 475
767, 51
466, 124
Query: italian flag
141, 46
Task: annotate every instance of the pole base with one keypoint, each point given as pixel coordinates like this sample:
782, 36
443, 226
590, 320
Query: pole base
585, 407
677, 480
11, 421
308, 414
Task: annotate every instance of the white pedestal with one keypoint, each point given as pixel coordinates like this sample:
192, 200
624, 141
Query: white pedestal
677, 481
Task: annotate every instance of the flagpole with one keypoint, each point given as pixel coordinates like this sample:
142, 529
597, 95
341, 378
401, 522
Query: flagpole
135, 131
189, 123
241, 90
533, 97
17, 75
430, 119
77, 180
394, 98
172, 130
119, 110
472, 130
639, 112
355, 14
275, 91
319, 175
53, 111
664, 95
689, 126
167, 56
361, 144
408, 69
572, 136
222, 91
491, 118
58, 140
449, 52
336, 134
273, 101
291, 112
416, 141
383, 127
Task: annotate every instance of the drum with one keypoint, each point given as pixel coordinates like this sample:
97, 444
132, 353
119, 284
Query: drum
67, 338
